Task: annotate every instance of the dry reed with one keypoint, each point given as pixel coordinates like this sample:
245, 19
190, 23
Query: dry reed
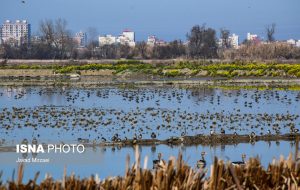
177, 175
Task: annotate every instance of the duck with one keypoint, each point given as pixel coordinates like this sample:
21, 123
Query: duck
240, 163
201, 163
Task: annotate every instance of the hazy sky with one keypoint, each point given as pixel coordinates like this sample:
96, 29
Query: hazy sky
167, 19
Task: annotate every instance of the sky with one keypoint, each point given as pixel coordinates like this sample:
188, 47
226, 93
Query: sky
167, 19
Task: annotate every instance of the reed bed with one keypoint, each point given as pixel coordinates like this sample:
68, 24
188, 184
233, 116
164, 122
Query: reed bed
177, 175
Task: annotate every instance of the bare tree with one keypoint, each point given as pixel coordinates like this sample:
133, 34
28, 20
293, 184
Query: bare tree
202, 42
92, 34
225, 38
270, 32
62, 37
57, 38
47, 31
141, 49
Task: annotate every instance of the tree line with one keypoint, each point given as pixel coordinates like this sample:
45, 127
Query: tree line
56, 42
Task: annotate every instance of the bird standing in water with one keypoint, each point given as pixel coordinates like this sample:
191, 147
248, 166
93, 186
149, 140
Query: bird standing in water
201, 163
159, 163
240, 163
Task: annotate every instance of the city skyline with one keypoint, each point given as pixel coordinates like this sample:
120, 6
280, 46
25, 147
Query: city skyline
20, 32
167, 19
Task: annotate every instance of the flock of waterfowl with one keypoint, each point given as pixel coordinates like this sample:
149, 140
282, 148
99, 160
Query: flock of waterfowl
114, 114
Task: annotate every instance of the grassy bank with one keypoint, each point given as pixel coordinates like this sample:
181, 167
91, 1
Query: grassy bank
176, 69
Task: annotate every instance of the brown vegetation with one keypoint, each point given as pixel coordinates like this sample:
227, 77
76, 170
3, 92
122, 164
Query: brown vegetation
276, 50
282, 174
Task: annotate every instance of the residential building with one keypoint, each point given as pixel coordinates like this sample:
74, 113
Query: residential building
291, 42
35, 39
251, 37
161, 43
126, 38
130, 35
234, 41
298, 43
107, 40
152, 40
16, 33
80, 39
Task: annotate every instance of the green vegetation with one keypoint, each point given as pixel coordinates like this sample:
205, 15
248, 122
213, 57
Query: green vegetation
172, 72
183, 68
255, 87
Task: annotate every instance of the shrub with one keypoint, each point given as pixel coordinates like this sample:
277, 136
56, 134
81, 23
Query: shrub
172, 73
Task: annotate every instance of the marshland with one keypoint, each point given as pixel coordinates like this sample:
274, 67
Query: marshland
221, 118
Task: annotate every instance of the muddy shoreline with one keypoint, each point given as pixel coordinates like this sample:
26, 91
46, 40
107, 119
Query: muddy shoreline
212, 140
204, 140
94, 81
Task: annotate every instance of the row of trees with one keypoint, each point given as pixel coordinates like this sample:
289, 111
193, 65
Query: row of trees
56, 42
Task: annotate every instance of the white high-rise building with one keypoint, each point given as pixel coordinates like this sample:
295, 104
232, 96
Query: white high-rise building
129, 35
234, 41
81, 39
16, 33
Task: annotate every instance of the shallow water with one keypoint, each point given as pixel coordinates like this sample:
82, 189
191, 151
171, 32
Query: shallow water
63, 114
66, 114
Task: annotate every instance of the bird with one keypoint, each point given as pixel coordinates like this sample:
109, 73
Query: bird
240, 163
34, 141
252, 135
25, 141
201, 163
23, 1
82, 140
222, 131
134, 140
153, 135
159, 163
